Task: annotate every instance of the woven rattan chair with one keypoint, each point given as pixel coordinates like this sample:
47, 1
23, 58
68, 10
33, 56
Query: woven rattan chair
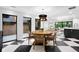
52, 38
38, 39
30, 36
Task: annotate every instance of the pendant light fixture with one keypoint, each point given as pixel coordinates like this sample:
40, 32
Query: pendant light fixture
43, 17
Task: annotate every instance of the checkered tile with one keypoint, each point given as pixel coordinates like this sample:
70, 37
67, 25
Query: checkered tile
62, 45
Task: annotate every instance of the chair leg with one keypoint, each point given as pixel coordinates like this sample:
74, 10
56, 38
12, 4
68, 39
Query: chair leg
44, 42
34, 44
53, 43
28, 41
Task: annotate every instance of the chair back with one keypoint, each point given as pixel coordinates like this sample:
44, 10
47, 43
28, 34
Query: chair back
52, 37
38, 37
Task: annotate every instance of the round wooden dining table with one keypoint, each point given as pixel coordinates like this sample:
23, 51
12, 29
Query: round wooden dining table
43, 33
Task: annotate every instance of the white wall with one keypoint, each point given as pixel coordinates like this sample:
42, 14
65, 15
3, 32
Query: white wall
76, 23
19, 27
33, 24
19, 15
50, 23
44, 24
0, 20
19, 22
0, 23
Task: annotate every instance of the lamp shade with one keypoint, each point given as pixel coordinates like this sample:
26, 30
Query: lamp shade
43, 17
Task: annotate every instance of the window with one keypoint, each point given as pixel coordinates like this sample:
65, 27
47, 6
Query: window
26, 24
63, 24
9, 27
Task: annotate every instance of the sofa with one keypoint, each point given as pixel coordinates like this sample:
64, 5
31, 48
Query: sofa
71, 33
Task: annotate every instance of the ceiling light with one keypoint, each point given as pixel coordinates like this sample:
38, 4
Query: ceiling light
72, 8
13, 6
43, 17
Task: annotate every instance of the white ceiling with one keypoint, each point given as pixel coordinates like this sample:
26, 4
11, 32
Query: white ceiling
51, 11
36, 10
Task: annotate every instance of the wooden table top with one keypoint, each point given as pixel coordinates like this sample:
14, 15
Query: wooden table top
42, 32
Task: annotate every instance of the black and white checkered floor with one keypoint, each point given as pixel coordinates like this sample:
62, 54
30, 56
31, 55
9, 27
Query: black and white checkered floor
63, 45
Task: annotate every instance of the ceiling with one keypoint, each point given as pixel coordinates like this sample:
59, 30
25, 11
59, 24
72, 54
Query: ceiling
51, 11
